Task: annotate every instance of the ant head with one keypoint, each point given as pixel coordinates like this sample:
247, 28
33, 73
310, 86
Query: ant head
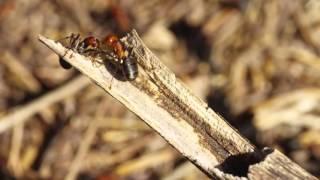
110, 39
91, 41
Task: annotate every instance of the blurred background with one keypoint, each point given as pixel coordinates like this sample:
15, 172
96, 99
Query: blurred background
257, 63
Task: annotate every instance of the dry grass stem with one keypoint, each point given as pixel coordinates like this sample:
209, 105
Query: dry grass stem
20, 115
82, 151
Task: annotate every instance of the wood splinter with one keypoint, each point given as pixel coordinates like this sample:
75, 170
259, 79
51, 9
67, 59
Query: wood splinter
184, 120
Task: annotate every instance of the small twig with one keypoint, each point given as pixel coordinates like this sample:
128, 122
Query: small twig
183, 171
20, 115
20, 72
16, 144
82, 151
147, 161
184, 120
85, 144
106, 160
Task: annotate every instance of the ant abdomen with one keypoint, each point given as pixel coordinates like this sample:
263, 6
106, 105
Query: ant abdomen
130, 69
64, 64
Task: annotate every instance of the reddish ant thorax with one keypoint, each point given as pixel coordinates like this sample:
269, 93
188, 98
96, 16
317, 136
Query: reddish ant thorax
113, 43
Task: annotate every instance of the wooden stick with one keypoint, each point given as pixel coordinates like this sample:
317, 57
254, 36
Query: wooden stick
184, 120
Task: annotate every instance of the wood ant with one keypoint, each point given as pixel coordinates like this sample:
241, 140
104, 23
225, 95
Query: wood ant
121, 57
80, 46
111, 48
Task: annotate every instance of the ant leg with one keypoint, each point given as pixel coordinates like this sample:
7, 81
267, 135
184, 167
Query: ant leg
66, 52
72, 45
112, 76
111, 81
64, 63
75, 40
59, 40
93, 55
69, 44
95, 62
71, 37
111, 57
